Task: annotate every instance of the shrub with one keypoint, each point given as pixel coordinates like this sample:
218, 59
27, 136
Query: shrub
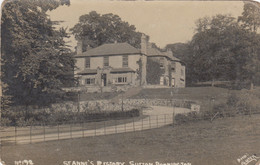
5, 121
54, 117
224, 110
185, 118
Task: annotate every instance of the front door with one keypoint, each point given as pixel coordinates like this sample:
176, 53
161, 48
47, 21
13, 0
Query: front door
104, 79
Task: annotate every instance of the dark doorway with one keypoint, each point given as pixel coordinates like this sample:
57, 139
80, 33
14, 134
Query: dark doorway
104, 78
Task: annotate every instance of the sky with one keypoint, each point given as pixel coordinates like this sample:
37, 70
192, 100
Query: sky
166, 22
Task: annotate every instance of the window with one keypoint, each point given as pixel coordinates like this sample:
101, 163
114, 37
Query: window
119, 80
106, 61
89, 81
125, 61
161, 62
173, 66
87, 62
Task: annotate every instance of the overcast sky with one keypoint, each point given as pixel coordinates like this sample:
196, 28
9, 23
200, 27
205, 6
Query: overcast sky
165, 21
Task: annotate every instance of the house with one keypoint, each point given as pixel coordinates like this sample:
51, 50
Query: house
122, 64
173, 68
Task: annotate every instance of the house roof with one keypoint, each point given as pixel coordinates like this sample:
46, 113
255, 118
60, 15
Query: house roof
123, 48
111, 49
121, 70
155, 52
171, 57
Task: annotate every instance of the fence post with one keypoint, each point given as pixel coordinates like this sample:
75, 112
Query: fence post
115, 126
133, 124
44, 132
150, 122
164, 119
70, 131
15, 134
82, 129
125, 126
30, 133
142, 123
157, 120
173, 119
95, 128
104, 127
58, 127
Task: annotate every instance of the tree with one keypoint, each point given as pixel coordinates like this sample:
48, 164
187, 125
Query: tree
214, 47
36, 61
251, 16
250, 20
95, 29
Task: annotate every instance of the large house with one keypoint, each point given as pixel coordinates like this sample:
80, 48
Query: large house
122, 64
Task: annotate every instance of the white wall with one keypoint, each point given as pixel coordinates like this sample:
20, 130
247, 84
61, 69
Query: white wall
114, 61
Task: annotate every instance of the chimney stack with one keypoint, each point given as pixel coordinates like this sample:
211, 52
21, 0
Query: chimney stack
169, 52
144, 44
79, 47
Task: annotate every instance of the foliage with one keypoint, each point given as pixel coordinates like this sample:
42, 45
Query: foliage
95, 29
186, 118
223, 50
251, 16
36, 62
54, 117
153, 72
211, 46
139, 70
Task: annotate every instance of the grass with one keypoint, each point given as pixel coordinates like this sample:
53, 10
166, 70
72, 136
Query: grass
97, 96
189, 93
221, 142
207, 97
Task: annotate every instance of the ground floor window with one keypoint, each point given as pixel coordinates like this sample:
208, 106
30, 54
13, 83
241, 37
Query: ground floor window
119, 80
90, 81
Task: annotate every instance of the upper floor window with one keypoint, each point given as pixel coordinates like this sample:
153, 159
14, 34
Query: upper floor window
173, 65
125, 61
87, 62
106, 61
161, 62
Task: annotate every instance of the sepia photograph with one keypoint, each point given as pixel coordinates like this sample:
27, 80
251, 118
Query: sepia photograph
130, 82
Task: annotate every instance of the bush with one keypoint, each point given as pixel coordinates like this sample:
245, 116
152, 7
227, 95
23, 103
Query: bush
185, 118
5, 121
52, 117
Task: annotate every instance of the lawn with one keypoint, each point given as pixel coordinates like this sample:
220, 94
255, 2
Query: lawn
221, 142
192, 93
207, 97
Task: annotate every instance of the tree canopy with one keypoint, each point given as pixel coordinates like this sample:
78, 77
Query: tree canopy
251, 16
222, 48
36, 62
95, 29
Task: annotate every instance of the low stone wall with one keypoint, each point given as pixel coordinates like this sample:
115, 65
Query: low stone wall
108, 105
160, 102
128, 104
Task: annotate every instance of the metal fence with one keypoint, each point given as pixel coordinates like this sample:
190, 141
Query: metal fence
59, 131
